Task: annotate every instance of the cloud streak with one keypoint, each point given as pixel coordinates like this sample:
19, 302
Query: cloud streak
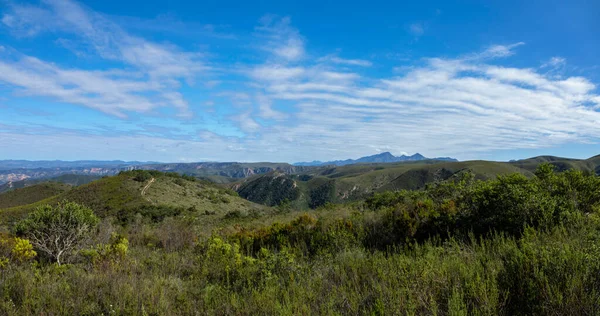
288, 105
160, 66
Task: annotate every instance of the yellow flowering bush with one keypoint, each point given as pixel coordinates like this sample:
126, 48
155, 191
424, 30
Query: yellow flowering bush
23, 250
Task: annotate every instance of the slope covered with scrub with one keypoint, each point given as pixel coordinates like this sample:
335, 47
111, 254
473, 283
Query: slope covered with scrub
32, 194
349, 183
513, 245
153, 193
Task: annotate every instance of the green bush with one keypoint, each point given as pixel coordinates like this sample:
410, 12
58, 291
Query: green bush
142, 175
58, 231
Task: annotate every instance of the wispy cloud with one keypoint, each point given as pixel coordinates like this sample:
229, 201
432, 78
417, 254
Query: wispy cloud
287, 105
448, 106
496, 51
416, 29
162, 66
283, 41
555, 62
342, 61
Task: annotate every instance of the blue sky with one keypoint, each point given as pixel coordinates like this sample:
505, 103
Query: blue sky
297, 81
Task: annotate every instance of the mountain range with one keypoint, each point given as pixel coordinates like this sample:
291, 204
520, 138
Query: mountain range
219, 172
385, 157
271, 184
35, 164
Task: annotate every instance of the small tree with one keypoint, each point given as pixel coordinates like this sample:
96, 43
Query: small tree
58, 230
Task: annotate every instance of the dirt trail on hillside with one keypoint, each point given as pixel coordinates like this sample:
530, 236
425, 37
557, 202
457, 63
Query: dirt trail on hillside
146, 188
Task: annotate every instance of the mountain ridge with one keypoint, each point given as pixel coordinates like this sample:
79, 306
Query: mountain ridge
385, 157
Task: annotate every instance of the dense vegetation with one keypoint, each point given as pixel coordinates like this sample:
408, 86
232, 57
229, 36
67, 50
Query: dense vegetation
165, 194
70, 179
271, 189
514, 245
32, 194
323, 185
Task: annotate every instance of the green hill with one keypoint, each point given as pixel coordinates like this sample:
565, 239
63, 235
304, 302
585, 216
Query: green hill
151, 193
70, 179
562, 164
317, 186
270, 189
417, 178
32, 194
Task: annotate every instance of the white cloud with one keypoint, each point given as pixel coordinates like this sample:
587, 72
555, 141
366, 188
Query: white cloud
554, 62
416, 29
342, 61
276, 72
289, 107
284, 41
161, 65
460, 106
497, 51
246, 123
265, 109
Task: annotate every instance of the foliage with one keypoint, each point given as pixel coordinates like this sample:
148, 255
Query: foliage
32, 194
23, 250
508, 204
59, 230
141, 175
108, 254
270, 189
15, 249
322, 194
507, 246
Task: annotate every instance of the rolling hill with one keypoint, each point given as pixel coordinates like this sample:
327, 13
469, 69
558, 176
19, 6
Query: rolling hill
70, 179
32, 194
320, 185
154, 193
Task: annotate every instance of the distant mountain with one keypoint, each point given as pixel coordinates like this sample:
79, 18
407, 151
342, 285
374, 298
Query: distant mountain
385, 157
29, 164
12, 171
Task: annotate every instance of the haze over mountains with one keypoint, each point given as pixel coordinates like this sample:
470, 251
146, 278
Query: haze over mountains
220, 172
305, 186
16, 174
385, 157
34, 164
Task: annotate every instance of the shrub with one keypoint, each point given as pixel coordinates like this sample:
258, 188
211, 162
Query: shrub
15, 249
142, 176
23, 250
176, 234
108, 254
58, 231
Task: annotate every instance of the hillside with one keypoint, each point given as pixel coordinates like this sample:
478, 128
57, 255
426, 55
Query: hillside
70, 179
560, 163
417, 178
349, 183
467, 248
270, 189
155, 194
32, 194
